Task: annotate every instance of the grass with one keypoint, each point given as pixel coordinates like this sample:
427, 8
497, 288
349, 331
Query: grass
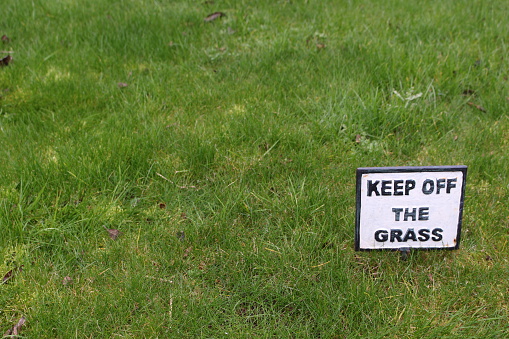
228, 164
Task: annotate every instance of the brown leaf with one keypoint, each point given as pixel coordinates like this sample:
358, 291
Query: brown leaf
113, 233
122, 85
214, 16
358, 138
14, 330
5, 39
321, 46
5, 61
67, 281
479, 107
9, 275
162, 205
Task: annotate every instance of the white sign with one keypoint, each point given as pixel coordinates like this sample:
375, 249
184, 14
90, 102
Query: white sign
409, 207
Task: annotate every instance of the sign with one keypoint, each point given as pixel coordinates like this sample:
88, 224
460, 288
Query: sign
409, 207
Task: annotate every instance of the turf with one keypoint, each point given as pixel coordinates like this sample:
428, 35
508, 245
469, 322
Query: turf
224, 153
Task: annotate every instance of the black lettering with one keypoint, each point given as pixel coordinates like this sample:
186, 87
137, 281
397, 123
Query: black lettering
372, 188
397, 213
423, 234
437, 234
396, 235
408, 214
451, 184
381, 235
409, 185
431, 187
440, 185
423, 213
386, 187
410, 235
398, 187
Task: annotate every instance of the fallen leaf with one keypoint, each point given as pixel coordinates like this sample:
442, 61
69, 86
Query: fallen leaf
358, 138
214, 16
479, 107
114, 234
162, 205
5, 39
67, 281
122, 85
14, 330
321, 46
9, 275
5, 61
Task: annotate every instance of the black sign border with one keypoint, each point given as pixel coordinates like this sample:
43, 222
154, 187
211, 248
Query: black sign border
407, 169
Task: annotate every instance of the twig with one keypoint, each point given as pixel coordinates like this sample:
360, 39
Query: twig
479, 107
325, 263
165, 178
268, 249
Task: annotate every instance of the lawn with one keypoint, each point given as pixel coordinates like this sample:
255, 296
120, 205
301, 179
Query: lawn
167, 173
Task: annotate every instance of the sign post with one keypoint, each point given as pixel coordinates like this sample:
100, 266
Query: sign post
403, 208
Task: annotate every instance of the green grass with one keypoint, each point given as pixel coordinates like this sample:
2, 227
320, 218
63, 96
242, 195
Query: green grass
228, 164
